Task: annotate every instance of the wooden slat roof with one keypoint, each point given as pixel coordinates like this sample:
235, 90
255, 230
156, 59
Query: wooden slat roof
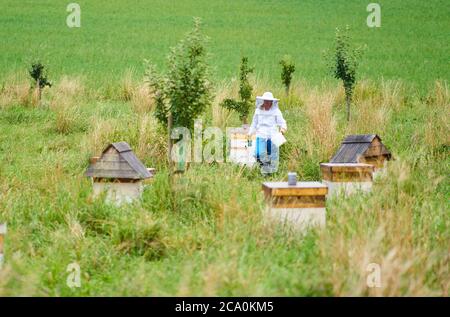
354, 146
128, 167
119, 146
360, 138
350, 152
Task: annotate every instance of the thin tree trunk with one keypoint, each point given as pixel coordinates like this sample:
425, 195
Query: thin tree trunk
38, 87
348, 98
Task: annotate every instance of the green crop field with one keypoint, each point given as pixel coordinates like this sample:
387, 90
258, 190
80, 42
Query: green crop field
116, 36
201, 232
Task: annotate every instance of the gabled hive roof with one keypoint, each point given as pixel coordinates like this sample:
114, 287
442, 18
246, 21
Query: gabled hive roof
355, 146
118, 162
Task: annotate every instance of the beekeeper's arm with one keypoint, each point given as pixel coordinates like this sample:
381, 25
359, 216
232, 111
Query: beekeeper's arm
281, 122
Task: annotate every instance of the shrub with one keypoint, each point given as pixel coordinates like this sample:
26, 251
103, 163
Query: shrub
39, 76
243, 105
287, 69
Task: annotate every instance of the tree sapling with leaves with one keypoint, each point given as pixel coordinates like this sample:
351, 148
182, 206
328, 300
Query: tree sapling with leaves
344, 64
39, 76
287, 69
242, 106
184, 92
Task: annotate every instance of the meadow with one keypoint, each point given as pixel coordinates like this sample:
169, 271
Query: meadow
204, 235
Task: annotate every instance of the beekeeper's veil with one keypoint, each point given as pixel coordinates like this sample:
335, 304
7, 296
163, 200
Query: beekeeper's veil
266, 96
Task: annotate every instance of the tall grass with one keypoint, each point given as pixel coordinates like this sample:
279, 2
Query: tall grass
203, 234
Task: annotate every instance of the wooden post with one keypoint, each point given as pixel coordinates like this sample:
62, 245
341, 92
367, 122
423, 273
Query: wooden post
2, 236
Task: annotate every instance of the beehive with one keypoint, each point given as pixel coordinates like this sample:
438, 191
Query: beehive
119, 173
2, 237
241, 146
299, 206
347, 177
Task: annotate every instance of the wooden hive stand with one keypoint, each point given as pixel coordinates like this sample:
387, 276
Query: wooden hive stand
300, 206
347, 178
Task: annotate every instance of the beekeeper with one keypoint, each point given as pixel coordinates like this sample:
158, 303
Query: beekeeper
269, 126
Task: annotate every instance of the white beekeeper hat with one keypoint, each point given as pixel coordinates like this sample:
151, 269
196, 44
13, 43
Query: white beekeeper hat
266, 96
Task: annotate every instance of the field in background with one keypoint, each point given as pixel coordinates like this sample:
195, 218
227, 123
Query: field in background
116, 36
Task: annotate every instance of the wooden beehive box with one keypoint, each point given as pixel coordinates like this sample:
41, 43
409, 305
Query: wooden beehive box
301, 205
119, 173
362, 148
347, 177
241, 150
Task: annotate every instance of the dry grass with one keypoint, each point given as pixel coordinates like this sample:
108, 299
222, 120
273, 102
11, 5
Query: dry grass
438, 124
141, 99
101, 134
384, 233
221, 117
68, 87
127, 86
150, 142
137, 93
65, 99
321, 135
15, 93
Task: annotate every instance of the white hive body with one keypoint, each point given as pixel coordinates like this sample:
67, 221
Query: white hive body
347, 188
118, 193
347, 178
300, 219
299, 206
242, 147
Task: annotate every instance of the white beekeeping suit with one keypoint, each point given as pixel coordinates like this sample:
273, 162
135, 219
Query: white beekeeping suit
266, 123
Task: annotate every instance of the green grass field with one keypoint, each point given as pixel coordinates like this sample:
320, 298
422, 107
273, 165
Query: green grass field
116, 36
204, 235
